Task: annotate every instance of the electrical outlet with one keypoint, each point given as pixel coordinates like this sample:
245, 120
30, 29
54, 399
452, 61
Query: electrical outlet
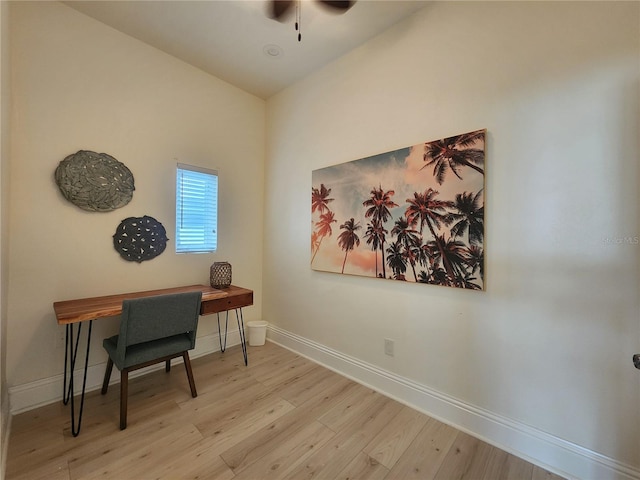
388, 347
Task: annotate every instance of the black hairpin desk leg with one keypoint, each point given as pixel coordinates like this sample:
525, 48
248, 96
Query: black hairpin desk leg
223, 347
243, 338
70, 355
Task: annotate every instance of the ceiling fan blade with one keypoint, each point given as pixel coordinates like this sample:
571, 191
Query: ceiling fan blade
279, 8
339, 6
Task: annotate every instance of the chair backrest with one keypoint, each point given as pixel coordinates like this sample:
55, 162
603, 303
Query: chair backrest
152, 318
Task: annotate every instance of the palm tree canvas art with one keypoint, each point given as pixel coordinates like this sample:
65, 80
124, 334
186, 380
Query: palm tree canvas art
415, 214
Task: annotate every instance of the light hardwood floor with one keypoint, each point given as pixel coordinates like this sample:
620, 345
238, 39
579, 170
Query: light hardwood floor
283, 416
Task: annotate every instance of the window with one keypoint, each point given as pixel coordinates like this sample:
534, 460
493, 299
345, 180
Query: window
196, 209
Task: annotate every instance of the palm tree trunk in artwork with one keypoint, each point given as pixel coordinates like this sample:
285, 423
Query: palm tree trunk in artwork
376, 263
412, 262
348, 239
316, 252
384, 270
445, 261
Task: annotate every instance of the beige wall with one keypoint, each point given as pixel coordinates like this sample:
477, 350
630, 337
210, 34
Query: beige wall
5, 95
556, 85
78, 84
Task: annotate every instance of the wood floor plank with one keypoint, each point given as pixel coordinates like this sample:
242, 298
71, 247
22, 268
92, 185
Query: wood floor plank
280, 417
293, 369
283, 456
472, 459
146, 460
363, 467
458, 460
237, 410
539, 473
246, 422
46, 417
88, 457
489, 463
212, 373
516, 468
265, 353
396, 436
262, 441
199, 464
350, 407
230, 396
270, 363
337, 454
195, 461
300, 388
143, 410
34, 431
326, 394
37, 444
424, 456
53, 470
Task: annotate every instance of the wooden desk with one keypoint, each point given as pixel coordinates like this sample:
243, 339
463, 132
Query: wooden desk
213, 301
236, 297
72, 312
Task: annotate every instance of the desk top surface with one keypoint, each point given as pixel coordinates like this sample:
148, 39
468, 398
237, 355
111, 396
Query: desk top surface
71, 311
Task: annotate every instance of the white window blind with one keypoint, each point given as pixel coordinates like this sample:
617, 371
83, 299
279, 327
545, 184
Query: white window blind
196, 209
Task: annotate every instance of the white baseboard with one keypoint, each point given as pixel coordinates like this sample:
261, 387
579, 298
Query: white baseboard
49, 390
540, 448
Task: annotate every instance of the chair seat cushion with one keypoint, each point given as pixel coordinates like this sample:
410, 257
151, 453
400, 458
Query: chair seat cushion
148, 351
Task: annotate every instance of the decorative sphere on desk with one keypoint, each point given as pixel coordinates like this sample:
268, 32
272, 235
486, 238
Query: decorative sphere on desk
220, 275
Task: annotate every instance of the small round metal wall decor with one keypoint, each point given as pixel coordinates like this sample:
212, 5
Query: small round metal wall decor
140, 238
96, 182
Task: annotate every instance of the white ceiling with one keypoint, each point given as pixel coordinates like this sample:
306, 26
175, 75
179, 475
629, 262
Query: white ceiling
228, 38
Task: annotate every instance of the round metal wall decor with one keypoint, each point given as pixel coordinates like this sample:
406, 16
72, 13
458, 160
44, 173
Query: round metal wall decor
140, 238
95, 181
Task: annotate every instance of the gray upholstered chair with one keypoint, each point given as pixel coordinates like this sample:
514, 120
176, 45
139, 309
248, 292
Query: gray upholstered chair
152, 330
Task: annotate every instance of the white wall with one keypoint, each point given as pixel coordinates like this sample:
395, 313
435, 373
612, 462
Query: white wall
549, 344
78, 84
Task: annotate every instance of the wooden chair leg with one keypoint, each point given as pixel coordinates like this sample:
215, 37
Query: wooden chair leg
124, 391
187, 366
167, 367
107, 376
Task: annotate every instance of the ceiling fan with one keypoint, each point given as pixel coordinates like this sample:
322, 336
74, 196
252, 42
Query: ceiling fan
279, 9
